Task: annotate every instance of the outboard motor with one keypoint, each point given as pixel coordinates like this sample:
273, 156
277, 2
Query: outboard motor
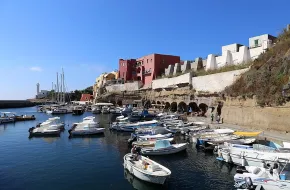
241, 170
132, 139
31, 129
249, 183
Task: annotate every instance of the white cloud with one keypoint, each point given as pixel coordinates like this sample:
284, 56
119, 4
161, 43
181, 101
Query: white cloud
37, 69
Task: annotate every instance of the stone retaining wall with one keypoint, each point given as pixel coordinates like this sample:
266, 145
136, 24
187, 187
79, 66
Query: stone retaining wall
248, 113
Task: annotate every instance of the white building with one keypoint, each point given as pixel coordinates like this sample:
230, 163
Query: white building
42, 94
237, 53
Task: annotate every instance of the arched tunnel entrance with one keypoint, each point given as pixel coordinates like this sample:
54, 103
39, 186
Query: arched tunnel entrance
173, 106
167, 105
194, 107
203, 107
182, 107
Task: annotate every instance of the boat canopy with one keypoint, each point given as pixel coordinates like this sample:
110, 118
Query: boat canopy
103, 104
247, 134
53, 118
161, 144
8, 112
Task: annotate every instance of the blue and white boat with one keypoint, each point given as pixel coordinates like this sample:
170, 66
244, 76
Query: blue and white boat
274, 177
163, 147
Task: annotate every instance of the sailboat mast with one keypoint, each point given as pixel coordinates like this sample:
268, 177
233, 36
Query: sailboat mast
52, 92
63, 86
57, 99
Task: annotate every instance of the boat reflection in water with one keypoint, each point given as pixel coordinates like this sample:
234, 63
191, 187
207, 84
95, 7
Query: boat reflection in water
46, 139
142, 185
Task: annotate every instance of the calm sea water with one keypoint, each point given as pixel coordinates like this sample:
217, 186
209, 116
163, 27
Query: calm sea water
93, 163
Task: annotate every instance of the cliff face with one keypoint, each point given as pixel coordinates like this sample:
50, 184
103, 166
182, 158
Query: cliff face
267, 76
247, 113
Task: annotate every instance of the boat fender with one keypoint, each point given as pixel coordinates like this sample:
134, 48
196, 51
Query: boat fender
243, 161
219, 154
228, 157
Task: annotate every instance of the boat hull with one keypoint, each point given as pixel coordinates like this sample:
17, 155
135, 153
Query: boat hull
78, 112
160, 152
143, 176
24, 118
87, 132
45, 134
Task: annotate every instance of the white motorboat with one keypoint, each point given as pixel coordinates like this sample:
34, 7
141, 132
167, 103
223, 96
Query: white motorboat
286, 144
169, 117
96, 110
52, 126
148, 143
146, 169
87, 127
59, 111
194, 136
122, 118
112, 110
130, 127
154, 137
78, 110
54, 122
272, 178
105, 110
7, 117
118, 110
163, 147
255, 155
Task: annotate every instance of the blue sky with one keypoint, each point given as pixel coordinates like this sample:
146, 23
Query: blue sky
86, 38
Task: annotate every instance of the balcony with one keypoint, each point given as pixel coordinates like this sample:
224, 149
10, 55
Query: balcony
147, 72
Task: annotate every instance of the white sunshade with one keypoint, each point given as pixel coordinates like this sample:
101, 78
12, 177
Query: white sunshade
103, 104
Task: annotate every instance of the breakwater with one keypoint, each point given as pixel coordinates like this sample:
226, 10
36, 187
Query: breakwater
15, 104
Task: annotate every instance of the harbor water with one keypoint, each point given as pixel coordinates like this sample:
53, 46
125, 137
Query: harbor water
94, 162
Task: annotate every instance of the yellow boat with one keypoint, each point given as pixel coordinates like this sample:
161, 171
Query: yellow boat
247, 134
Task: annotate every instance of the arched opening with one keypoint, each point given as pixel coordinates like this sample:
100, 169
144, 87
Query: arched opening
139, 78
119, 103
113, 102
167, 105
158, 102
194, 107
138, 70
173, 106
203, 107
182, 107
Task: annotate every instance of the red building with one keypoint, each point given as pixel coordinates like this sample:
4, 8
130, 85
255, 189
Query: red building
126, 68
86, 97
146, 68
